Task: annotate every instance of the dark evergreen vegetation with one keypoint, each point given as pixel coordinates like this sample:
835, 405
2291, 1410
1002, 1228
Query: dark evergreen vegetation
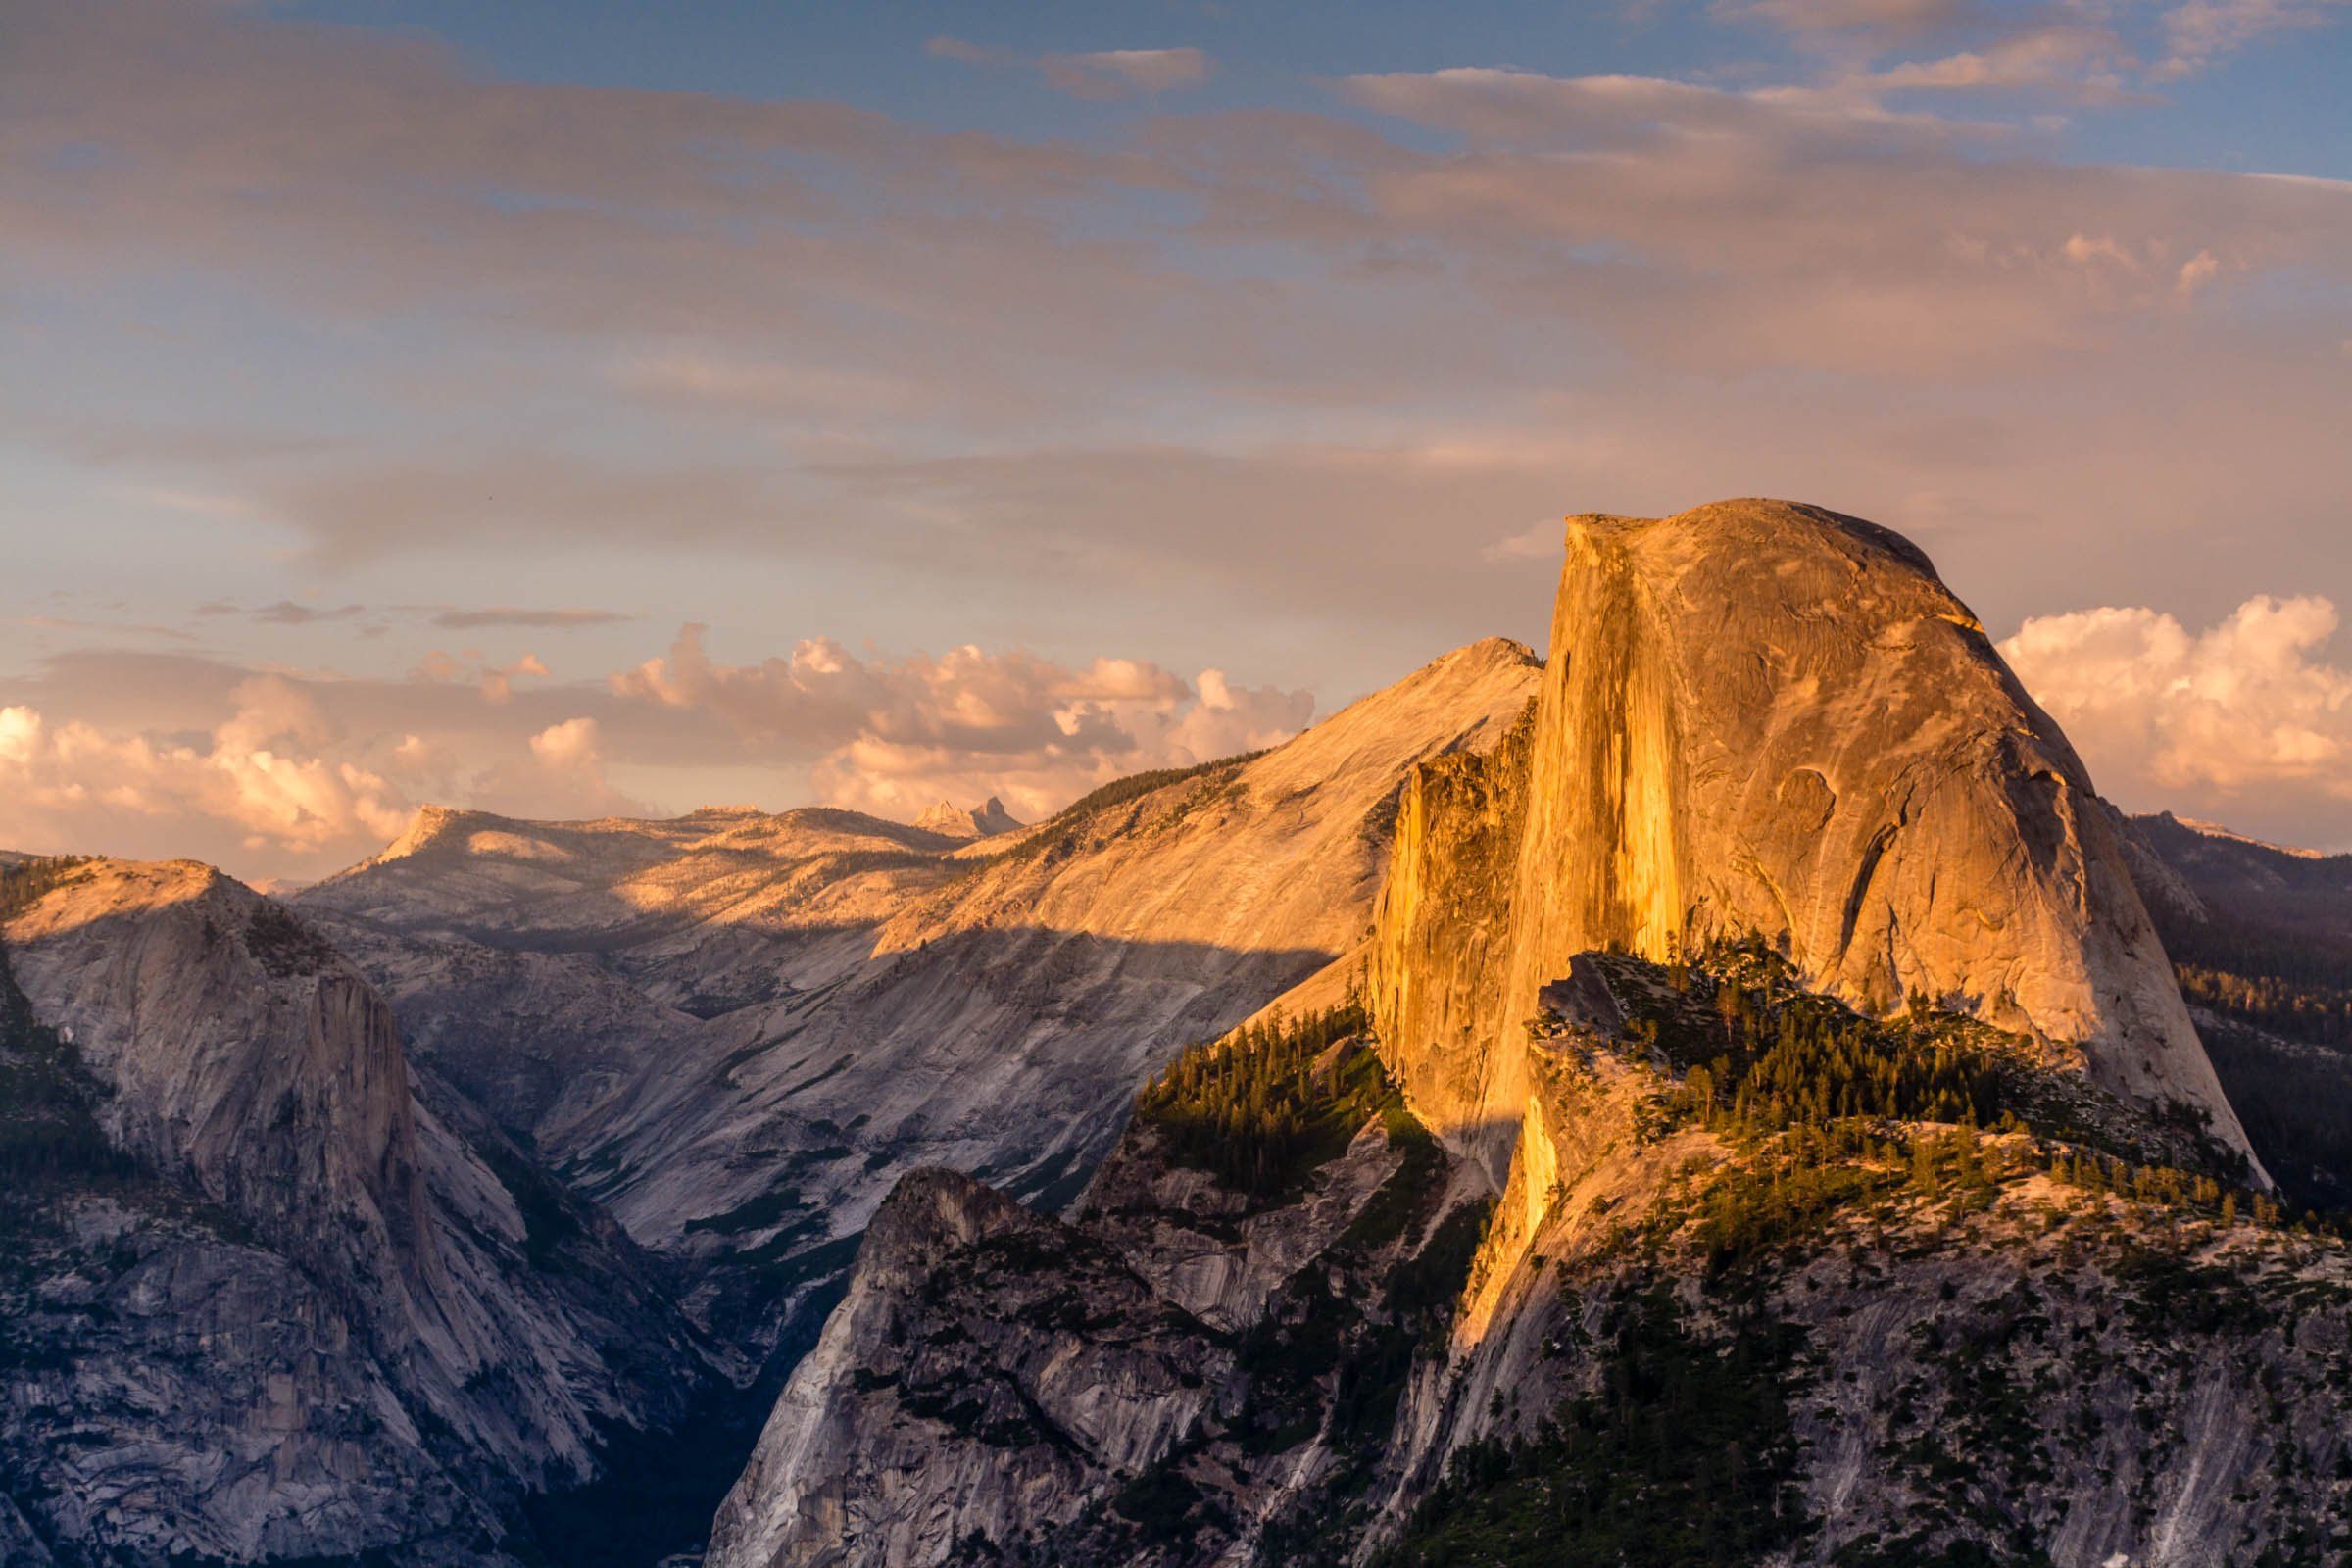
1682, 1454
1061, 834
1262, 1109
1135, 786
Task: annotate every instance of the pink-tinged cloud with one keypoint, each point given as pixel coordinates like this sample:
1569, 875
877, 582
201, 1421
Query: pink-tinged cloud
2250, 711
896, 735
1248, 382
261, 776
298, 777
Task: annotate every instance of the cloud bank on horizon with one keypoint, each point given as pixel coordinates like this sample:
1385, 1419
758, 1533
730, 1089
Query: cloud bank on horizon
378, 397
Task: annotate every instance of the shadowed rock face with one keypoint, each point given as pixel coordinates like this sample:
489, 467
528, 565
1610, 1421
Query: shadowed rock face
247, 1059
291, 1309
966, 1389
1765, 718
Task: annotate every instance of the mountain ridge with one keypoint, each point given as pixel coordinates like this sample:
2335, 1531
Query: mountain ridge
735, 1033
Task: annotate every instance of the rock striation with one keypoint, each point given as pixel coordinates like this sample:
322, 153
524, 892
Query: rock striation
1671, 1338
1151, 1383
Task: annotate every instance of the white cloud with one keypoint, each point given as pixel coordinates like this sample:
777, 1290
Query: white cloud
571, 744
2248, 711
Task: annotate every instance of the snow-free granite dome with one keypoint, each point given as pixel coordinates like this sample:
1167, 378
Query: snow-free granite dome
1760, 716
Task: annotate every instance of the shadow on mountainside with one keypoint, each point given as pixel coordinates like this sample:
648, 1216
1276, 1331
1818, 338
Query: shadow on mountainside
2261, 941
756, 1152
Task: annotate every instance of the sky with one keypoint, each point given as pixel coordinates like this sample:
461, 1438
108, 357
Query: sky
573, 409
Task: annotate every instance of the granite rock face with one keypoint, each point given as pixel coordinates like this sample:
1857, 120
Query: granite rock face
964, 1390
1152, 1383
266, 1303
1985, 1363
1761, 717
2050, 1373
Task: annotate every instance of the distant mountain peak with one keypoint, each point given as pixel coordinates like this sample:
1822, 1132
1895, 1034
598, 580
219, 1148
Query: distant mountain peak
950, 820
2215, 830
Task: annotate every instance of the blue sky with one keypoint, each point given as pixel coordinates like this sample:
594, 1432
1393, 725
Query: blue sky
568, 408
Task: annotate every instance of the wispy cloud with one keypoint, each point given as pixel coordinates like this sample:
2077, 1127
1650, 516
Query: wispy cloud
287, 612
1242, 379
2199, 33
1102, 74
502, 616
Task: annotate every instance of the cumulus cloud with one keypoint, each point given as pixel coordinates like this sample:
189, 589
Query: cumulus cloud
894, 735
2248, 711
571, 744
260, 774
564, 778
1248, 377
299, 775
278, 787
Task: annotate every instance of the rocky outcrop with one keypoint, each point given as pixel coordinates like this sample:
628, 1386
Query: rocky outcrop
952, 822
1760, 717
1891, 1364
965, 1391
1181, 1375
266, 1303
1777, 1334
247, 1059
1757, 1284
